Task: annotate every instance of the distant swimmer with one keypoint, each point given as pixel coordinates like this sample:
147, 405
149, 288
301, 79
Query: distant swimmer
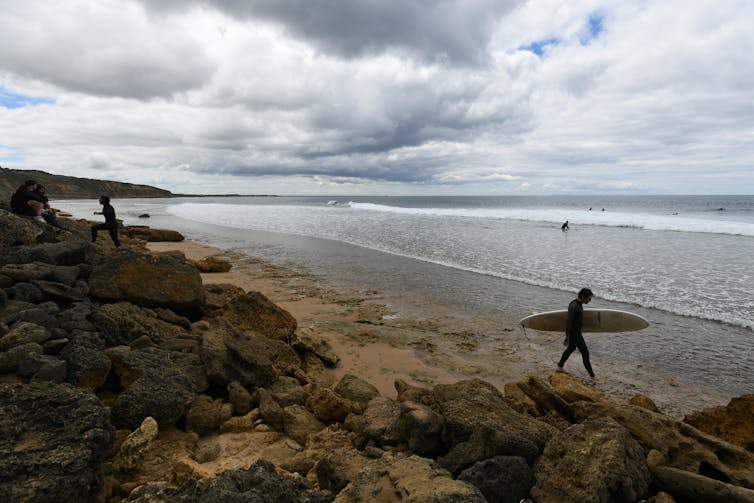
590, 208
564, 227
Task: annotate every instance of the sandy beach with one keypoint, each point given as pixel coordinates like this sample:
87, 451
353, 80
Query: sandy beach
383, 339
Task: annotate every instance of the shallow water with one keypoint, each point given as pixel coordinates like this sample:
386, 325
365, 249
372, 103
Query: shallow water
488, 258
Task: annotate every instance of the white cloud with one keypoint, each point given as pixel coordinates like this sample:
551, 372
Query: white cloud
268, 97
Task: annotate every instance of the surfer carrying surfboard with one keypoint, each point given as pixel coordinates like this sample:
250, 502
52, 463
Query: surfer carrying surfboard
574, 337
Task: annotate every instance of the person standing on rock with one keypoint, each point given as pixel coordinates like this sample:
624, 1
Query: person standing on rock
574, 338
111, 224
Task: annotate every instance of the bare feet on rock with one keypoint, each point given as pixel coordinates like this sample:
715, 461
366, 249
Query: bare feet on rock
597, 381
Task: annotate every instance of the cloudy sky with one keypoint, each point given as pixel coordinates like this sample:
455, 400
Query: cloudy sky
383, 96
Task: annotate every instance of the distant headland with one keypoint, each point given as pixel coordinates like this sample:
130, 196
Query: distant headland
71, 187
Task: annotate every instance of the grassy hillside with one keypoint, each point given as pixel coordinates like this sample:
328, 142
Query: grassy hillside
71, 187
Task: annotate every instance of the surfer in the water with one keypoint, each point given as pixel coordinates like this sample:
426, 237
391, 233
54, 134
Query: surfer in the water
564, 227
574, 338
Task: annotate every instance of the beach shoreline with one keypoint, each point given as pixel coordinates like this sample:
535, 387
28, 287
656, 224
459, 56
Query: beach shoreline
383, 338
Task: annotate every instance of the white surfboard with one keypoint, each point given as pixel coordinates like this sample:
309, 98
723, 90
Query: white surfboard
595, 320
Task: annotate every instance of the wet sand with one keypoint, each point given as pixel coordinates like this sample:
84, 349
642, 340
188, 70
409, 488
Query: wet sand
410, 337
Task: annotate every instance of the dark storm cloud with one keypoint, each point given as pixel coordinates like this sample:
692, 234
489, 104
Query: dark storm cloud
431, 30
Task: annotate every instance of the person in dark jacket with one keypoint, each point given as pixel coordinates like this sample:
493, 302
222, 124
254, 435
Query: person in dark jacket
111, 224
26, 201
574, 338
48, 213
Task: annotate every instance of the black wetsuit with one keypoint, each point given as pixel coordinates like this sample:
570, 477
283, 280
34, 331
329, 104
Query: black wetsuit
111, 224
575, 339
20, 199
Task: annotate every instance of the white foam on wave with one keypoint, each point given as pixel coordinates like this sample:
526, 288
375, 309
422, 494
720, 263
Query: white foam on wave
647, 221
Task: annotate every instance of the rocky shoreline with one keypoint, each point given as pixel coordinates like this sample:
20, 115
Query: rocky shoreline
125, 377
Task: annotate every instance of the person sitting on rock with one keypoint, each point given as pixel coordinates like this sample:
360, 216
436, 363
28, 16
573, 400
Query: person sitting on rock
48, 213
26, 201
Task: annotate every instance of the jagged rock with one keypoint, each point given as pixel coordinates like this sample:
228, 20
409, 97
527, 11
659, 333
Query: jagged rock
41, 271
328, 406
259, 483
3, 298
219, 294
132, 364
502, 479
44, 315
240, 398
10, 359
132, 450
170, 317
16, 230
60, 292
381, 421
415, 479
122, 323
242, 423
76, 318
661, 497
24, 332
422, 428
546, 398
299, 423
733, 422
594, 461
147, 280
643, 401
411, 393
338, 467
694, 488
213, 264
205, 414
288, 391
685, 447
222, 365
88, 366
262, 354
65, 253
573, 389
5, 281
39, 367
253, 312
307, 342
467, 404
356, 389
26, 292
53, 443
271, 411
487, 442
163, 395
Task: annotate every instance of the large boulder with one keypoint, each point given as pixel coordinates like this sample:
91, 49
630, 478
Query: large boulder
733, 422
55, 438
502, 479
466, 405
213, 264
356, 389
262, 353
253, 312
16, 230
485, 443
149, 280
122, 323
163, 395
595, 461
39, 270
88, 366
66, 253
683, 446
153, 235
132, 364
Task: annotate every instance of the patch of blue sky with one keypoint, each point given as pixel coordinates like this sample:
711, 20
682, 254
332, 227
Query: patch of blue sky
13, 100
9, 154
539, 46
595, 26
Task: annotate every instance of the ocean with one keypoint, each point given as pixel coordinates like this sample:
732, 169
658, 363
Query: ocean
686, 263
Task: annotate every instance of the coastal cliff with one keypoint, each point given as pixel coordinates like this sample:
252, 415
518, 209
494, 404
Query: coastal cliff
70, 187
209, 392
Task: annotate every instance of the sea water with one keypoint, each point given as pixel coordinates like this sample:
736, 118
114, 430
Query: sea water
684, 262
